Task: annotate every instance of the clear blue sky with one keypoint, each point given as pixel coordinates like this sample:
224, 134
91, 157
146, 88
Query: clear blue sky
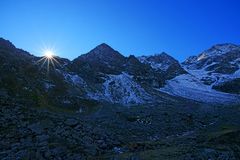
178, 27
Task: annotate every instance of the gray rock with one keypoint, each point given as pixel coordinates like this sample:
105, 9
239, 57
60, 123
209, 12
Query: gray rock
71, 122
42, 138
57, 151
36, 128
22, 154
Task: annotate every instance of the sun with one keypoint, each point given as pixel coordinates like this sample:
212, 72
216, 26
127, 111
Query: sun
49, 54
49, 59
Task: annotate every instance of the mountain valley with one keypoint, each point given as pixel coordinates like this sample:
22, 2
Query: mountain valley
103, 105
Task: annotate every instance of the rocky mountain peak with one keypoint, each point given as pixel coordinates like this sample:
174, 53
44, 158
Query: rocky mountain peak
8, 50
160, 61
102, 58
104, 53
163, 63
6, 44
104, 50
214, 53
218, 50
163, 54
133, 59
162, 57
103, 46
225, 47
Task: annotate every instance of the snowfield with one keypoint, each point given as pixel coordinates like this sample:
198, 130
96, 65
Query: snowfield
188, 86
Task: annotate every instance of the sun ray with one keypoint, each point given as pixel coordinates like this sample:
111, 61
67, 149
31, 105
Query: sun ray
54, 59
48, 65
43, 63
51, 60
38, 61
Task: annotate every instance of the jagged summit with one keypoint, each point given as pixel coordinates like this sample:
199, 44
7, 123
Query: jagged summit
102, 58
214, 51
220, 53
103, 46
160, 61
6, 43
102, 52
157, 56
8, 50
162, 54
163, 57
219, 49
103, 49
225, 46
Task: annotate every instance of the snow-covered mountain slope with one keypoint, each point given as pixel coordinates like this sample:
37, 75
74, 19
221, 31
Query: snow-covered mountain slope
190, 87
215, 66
122, 89
221, 58
210, 77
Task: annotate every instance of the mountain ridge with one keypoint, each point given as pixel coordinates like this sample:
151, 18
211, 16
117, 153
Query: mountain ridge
104, 74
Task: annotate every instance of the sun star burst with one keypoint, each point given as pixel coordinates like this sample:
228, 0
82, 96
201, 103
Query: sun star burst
48, 59
48, 54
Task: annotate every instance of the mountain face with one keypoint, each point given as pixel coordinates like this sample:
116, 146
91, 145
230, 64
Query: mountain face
222, 59
112, 77
103, 59
163, 63
211, 73
104, 75
217, 66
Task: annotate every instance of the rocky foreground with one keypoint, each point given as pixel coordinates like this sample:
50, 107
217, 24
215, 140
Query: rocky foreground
155, 131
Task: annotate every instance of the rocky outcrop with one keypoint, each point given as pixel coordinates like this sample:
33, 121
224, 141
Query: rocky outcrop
164, 63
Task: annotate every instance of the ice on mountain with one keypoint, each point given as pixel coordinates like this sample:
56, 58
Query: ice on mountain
188, 86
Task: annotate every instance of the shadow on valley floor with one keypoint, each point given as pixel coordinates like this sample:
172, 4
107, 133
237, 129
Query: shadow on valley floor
104, 131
